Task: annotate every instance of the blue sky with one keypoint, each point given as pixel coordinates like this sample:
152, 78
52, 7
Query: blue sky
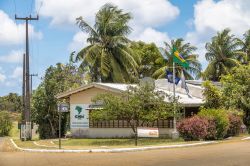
55, 35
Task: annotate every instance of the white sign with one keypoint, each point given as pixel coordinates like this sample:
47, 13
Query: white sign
147, 132
23, 131
79, 116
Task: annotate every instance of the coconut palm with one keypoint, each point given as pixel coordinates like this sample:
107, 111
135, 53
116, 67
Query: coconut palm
222, 54
245, 44
108, 58
187, 52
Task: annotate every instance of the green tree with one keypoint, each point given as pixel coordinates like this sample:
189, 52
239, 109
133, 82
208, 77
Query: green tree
137, 105
212, 95
108, 57
187, 51
5, 123
147, 56
222, 54
11, 102
245, 44
236, 91
57, 79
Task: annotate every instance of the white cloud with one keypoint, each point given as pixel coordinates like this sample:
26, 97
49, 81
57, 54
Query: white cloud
15, 56
211, 16
2, 77
79, 41
17, 73
148, 12
150, 35
146, 17
12, 33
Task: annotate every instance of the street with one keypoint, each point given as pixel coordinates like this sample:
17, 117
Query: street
231, 153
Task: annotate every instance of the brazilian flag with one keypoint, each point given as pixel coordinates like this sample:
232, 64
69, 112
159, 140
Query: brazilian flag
179, 59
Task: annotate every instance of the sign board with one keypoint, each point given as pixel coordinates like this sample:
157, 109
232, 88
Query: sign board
63, 107
148, 132
79, 116
23, 131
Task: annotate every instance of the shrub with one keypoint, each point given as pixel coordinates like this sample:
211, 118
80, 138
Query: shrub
194, 128
220, 118
211, 130
235, 123
5, 123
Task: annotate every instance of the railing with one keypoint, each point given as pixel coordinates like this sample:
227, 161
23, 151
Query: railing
167, 123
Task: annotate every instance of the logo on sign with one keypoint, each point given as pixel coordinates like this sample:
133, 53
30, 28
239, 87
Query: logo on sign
79, 110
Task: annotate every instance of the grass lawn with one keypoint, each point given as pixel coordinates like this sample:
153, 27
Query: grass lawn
111, 143
97, 143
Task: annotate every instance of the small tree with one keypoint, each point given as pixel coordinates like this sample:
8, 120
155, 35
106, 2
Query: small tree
213, 96
5, 123
137, 105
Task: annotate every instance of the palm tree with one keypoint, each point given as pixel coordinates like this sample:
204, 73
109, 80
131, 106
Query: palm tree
245, 44
186, 50
108, 57
223, 54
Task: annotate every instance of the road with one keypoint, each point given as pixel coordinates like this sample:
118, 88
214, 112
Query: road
232, 153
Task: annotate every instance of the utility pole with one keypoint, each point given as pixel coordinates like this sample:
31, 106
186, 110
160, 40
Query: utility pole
27, 80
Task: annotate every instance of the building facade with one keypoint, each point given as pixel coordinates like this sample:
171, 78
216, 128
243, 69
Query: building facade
81, 106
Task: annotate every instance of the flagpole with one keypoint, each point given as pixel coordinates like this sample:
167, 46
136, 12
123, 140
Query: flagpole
174, 133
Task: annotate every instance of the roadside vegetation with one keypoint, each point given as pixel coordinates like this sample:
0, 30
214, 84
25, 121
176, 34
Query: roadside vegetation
111, 56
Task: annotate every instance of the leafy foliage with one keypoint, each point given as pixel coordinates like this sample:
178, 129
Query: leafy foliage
108, 57
235, 123
236, 91
223, 54
194, 128
57, 79
11, 102
212, 95
147, 56
245, 44
137, 105
5, 123
187, 52
221, 120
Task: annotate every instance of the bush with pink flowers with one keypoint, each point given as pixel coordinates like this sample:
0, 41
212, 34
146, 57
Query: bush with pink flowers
235, 123
194, 128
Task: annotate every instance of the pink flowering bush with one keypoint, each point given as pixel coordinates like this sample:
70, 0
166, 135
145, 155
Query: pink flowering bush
194, 128
235, 123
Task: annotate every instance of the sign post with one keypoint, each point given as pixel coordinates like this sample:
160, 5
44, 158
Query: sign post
61, 108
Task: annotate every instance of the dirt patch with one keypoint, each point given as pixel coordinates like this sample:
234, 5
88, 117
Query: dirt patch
6, 145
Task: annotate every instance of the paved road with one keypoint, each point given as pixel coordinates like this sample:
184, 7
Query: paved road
223, 154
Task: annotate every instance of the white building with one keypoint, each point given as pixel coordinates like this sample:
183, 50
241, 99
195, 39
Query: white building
80, 108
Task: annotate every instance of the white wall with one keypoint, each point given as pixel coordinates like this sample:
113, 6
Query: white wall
112, 132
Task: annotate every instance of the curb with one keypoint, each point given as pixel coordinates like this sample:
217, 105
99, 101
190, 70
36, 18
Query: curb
247, 138
114, 150
37, 144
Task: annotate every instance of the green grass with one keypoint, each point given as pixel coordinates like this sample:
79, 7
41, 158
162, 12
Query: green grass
118, 142
26, 144
14, 132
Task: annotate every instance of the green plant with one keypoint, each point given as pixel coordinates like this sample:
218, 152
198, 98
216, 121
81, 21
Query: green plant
221, 119
5, 123
213, 96
188, 53
194, 128
235, 123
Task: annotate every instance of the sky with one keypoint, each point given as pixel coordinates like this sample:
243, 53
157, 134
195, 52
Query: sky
56, 35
